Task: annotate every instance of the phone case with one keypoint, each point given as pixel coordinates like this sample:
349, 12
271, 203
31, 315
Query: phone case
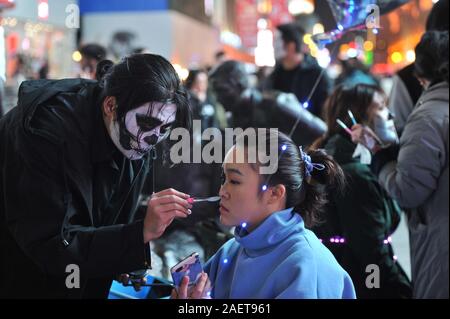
191, 267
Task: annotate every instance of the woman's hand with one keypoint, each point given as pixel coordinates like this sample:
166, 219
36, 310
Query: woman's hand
201, 289
365, 136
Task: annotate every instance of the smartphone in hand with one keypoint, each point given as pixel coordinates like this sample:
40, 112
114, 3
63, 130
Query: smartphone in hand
190, 266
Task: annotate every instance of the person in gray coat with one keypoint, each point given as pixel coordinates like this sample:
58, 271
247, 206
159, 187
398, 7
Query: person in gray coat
418, 178
406, 89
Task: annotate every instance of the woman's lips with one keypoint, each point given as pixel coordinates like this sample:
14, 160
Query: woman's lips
222, 209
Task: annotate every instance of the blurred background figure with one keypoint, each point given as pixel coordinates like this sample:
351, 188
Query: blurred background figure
202, 108
355, 72
248, 107
220, 57
19, 72
296, 71
358, 223
141, 50
406, 89
91, 55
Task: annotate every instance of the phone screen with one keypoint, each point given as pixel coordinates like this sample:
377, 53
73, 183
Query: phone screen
191, 267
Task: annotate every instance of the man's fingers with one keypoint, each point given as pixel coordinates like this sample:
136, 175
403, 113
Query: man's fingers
169, 200
171, 191
169, 216
180, 214
169, 207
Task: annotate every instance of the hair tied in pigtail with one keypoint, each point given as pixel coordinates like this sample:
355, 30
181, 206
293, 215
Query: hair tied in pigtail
309, 165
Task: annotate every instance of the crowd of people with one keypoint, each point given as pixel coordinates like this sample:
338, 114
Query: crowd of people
77, 156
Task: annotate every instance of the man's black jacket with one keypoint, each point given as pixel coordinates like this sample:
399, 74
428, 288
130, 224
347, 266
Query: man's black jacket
67, 195
303, 83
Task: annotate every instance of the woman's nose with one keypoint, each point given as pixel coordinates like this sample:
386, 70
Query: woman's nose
223, 193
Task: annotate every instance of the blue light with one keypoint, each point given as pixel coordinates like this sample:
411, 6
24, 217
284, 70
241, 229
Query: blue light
340, 27
284, 147
375, 31
225, 261
264, 188
243, 225
306, 105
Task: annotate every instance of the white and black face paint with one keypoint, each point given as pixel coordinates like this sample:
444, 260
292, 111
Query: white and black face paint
142, 128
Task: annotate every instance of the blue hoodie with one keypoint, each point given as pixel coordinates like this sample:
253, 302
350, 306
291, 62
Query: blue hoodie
279, 259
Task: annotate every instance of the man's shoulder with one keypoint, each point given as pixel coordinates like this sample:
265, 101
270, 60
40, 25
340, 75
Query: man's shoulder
60, 114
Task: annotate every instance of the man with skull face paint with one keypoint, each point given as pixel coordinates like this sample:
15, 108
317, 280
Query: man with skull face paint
142, 129
74, 155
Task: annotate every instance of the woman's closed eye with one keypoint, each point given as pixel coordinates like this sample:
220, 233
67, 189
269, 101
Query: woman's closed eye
232, 181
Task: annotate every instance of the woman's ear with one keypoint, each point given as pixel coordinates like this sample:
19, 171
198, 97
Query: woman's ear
277, 193
109, 107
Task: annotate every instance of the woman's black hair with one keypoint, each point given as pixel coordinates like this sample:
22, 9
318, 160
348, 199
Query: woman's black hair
356, 98
432, 57
143, 78
307, 194
192, 77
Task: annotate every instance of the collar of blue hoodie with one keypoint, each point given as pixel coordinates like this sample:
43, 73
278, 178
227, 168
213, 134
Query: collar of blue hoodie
275, 229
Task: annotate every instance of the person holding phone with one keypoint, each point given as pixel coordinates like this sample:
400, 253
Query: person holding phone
273, 254
74, 155
364, 216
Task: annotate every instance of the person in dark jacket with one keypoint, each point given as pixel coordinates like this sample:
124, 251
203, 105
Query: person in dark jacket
91, 55
358, 222
296, 71
251, 108
73, 159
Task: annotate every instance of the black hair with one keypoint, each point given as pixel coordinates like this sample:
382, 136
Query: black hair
432, 57
228, 81
192, 77
438, 18
308, 195
93, 51
219, 54
356, 98
143, 78
292, 32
